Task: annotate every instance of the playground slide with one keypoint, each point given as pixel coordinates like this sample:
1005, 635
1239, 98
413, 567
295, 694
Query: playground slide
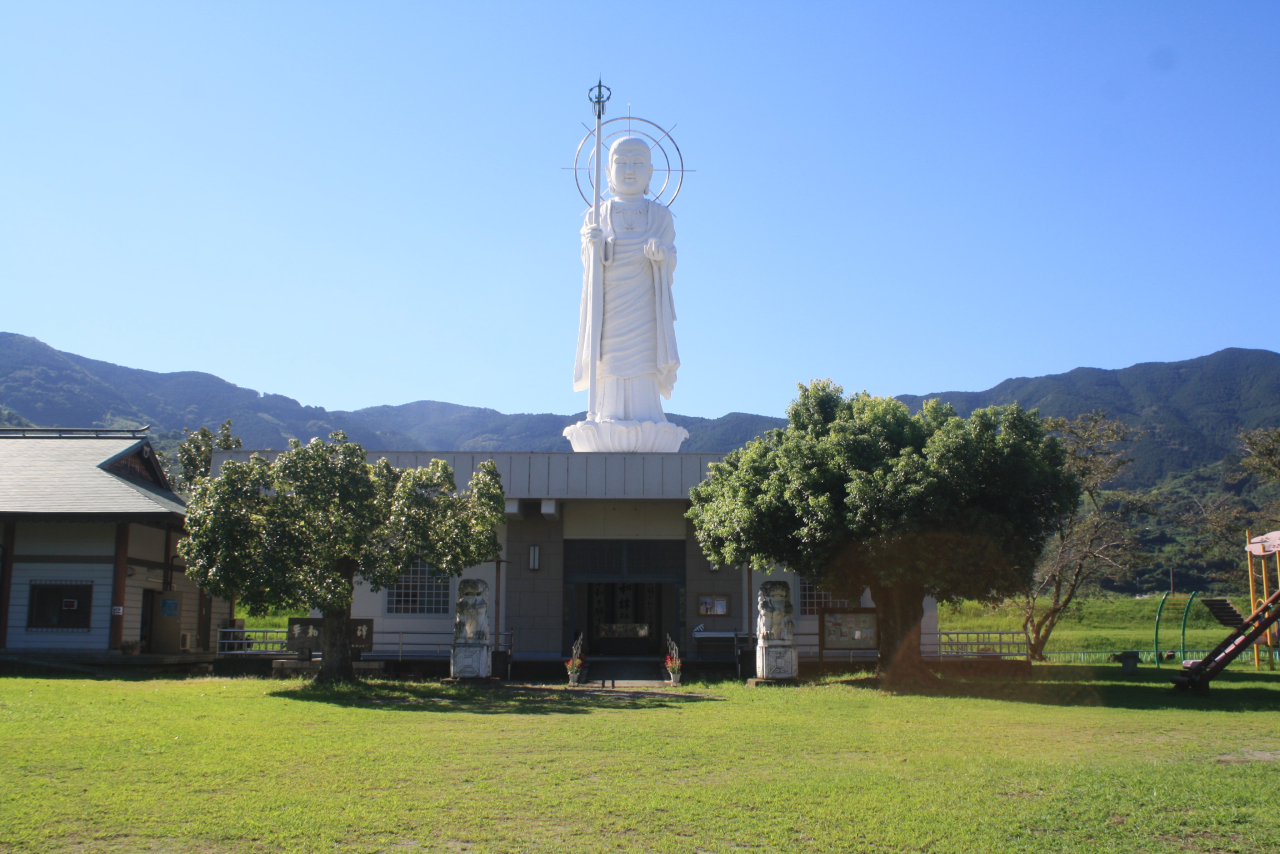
1198, 675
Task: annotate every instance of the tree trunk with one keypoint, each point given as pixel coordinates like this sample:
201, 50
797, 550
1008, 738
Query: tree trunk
336, 636
899, 612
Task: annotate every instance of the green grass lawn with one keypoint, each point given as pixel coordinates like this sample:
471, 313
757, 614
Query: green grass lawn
1075, 760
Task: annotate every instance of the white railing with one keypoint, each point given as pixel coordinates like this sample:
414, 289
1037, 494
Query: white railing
977, 645
386, 645
252, 642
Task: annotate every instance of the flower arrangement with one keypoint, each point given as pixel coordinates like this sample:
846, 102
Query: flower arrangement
574, 665
673, 664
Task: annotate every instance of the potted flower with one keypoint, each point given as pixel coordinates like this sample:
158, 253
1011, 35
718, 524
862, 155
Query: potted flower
129, 647
673, 669
575, 666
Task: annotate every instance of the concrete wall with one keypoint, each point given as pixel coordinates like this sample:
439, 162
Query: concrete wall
536, 614
415, 630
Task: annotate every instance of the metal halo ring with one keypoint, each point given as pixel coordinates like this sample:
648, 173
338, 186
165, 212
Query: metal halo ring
630, 131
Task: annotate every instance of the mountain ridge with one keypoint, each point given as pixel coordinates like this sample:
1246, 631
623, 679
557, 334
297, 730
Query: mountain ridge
1191, 410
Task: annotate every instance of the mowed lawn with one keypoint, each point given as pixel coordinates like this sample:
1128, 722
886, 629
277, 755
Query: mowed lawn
1075, 760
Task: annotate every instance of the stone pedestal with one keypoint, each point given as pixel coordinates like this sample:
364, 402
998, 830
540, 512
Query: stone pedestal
626, 437
471, 661
776, 661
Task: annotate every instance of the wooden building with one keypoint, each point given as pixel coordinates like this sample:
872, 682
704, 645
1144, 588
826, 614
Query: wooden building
88, 561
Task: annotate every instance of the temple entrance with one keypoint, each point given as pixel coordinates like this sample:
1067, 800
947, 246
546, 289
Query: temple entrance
624, 619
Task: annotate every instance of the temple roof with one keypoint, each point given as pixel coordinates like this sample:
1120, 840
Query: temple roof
83, 474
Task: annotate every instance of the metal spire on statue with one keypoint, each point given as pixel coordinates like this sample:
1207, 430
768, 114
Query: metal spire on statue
599, 96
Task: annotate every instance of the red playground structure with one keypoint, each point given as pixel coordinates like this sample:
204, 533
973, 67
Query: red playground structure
1256, 630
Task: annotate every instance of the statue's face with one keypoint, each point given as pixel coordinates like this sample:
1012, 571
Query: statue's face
630, 167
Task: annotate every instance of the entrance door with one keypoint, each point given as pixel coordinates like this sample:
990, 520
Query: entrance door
624, 619
144, 633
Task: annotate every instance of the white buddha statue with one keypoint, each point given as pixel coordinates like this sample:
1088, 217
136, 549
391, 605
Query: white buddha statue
627, 321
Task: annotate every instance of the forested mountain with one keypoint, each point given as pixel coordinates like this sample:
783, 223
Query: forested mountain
1191, 411
48, 387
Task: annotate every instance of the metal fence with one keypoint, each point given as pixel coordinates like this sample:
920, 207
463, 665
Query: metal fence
387, 646
981, 645
252, 642
1146, 656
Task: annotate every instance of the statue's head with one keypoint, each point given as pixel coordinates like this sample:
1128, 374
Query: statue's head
630, 166
776, 592
471, 590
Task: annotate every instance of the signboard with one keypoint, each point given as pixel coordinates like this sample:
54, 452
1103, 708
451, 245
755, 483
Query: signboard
305, 633
170, 607
713, 606
848, 628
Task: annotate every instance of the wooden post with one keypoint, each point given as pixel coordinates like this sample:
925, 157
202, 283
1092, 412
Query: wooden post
118, 580
1253, 592
6, 580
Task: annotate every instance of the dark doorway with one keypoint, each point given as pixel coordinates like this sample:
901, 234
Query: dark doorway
144, 635
624, 619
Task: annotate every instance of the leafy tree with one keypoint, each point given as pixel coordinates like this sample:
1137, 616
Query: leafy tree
1262, 452
1097, 538
297, 531
858, 493
195, 454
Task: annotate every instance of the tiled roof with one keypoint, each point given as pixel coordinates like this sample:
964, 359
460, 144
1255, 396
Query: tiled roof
65, 475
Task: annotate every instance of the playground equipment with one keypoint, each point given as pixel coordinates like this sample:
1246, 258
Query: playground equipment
1261, 547
1256, 630
1177, 606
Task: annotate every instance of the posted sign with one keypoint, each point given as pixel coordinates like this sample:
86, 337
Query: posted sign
305, 633
849, 628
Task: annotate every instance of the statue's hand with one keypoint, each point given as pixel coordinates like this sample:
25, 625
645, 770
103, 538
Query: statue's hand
655, 251
592, 235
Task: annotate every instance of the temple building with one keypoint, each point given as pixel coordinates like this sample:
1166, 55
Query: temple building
595, 545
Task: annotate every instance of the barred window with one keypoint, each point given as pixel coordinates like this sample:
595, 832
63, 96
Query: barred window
811, 599
59, 606
420, 590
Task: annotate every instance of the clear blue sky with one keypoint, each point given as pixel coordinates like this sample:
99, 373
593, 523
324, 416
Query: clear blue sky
358, 204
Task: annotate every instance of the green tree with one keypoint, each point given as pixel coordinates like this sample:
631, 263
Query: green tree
858, 493
297, 531
1095, 539
195, 454
1262, 452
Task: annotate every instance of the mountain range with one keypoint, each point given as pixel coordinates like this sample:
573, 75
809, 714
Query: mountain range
1191, 411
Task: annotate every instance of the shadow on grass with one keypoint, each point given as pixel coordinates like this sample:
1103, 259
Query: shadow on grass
1073, 685
486, 700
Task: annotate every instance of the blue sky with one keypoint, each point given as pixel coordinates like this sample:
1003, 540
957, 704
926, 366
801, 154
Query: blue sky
359, 204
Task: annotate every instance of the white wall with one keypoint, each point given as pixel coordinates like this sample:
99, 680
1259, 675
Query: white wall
98, 635
62, 538
65, 538
146, 543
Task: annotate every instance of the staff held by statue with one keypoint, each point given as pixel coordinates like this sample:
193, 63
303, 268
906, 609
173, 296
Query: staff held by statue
598, 95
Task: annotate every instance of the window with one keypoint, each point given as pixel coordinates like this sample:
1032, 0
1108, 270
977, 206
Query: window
60, 606
811, 599
421, 590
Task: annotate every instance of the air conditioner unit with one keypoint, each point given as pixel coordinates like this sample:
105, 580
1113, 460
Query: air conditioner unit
184, 642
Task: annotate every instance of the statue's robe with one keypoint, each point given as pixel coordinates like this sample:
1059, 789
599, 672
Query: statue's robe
627, 318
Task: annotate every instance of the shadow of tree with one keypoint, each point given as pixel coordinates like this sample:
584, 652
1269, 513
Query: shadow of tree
487, 700
1069, 685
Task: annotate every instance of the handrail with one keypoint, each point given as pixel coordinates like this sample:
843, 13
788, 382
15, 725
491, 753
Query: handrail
385, 643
